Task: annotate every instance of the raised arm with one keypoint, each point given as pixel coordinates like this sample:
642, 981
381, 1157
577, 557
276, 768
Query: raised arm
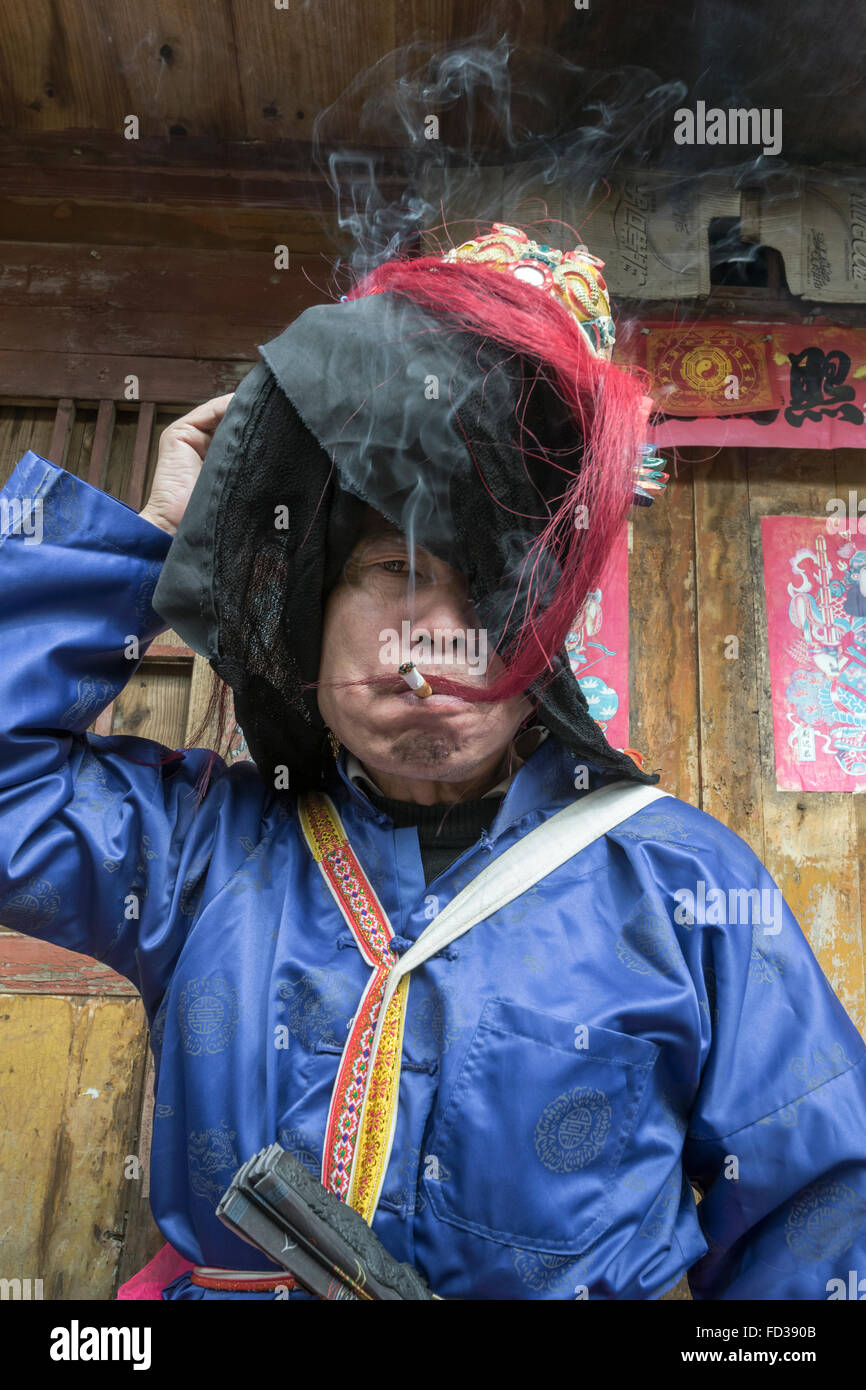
95, 833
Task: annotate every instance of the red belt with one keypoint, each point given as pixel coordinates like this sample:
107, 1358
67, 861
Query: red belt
240, 1280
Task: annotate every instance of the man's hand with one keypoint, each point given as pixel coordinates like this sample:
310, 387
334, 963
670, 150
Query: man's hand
182, 447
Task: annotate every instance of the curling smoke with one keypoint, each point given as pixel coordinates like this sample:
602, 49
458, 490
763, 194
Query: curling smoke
478, 131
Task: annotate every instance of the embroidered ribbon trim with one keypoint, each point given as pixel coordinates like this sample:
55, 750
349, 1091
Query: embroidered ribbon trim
372, 1149
362, 1107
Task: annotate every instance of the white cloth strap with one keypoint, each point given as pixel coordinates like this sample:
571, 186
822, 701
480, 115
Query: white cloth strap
556, 840
536, 855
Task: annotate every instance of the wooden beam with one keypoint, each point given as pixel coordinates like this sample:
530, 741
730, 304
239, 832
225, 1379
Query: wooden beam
103, 722
141, 455
100, 449
129, 281
166, 651
64, 419
140, 333
82, 376
230, 227
82, 163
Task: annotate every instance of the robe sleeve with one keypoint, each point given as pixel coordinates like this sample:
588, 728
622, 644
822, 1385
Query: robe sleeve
96, 834
776, 1139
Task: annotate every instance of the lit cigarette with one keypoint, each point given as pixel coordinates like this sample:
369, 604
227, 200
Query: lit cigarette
415, 681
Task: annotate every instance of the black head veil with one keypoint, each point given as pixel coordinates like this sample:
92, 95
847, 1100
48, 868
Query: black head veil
364, 402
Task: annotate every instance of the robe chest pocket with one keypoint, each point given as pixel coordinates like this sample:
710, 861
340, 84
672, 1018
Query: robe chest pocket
530, 1142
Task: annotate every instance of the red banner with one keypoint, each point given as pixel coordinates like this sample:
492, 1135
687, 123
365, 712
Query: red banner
782, 385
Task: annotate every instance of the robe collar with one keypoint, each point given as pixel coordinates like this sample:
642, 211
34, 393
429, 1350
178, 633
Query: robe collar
545, 782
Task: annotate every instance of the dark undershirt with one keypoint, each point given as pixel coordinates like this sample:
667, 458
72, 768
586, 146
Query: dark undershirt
444, 831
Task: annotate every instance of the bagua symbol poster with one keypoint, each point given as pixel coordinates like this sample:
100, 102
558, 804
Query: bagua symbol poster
815, 589
597, 647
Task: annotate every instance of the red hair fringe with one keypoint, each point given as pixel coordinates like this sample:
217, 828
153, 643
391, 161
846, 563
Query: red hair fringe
609, 407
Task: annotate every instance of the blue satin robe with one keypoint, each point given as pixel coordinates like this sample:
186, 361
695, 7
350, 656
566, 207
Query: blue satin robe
570, 1066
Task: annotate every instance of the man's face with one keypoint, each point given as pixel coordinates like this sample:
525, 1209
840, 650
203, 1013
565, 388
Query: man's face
386, 726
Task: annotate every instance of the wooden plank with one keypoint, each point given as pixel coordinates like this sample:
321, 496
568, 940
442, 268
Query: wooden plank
235, 227
731, 783
64, 420
60, 67
30, 965
41, 154
337, 64
154, 704
146, 333
22, 428
260, 71
184, 72
202, 681
127, 280
169, 651
150, 421
810, 844
143, 1238
104, 722
141, 455
663, 676
71, 1070
81, 438
187, 182
95, 377
100, 449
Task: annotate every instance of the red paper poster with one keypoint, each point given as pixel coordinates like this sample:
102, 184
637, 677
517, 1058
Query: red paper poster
758, 385
815, 584
693, 367
598, 648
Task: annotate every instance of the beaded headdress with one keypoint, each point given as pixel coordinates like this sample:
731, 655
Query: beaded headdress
573, 278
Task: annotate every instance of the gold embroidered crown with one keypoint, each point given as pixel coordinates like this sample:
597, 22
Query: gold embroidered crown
572, 277
575, 279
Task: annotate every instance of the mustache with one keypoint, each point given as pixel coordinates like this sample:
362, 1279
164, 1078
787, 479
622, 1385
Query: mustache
474, 691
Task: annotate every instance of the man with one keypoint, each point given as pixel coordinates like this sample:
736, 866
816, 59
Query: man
523, 1114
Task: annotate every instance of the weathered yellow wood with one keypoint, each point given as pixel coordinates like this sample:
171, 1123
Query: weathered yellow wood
70, 1079
663, 638
154, 704
727, 683
143, 1237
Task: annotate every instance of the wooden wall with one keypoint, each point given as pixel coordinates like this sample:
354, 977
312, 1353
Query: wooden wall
75, 1081
76, 1089
696, 577
76, 1077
